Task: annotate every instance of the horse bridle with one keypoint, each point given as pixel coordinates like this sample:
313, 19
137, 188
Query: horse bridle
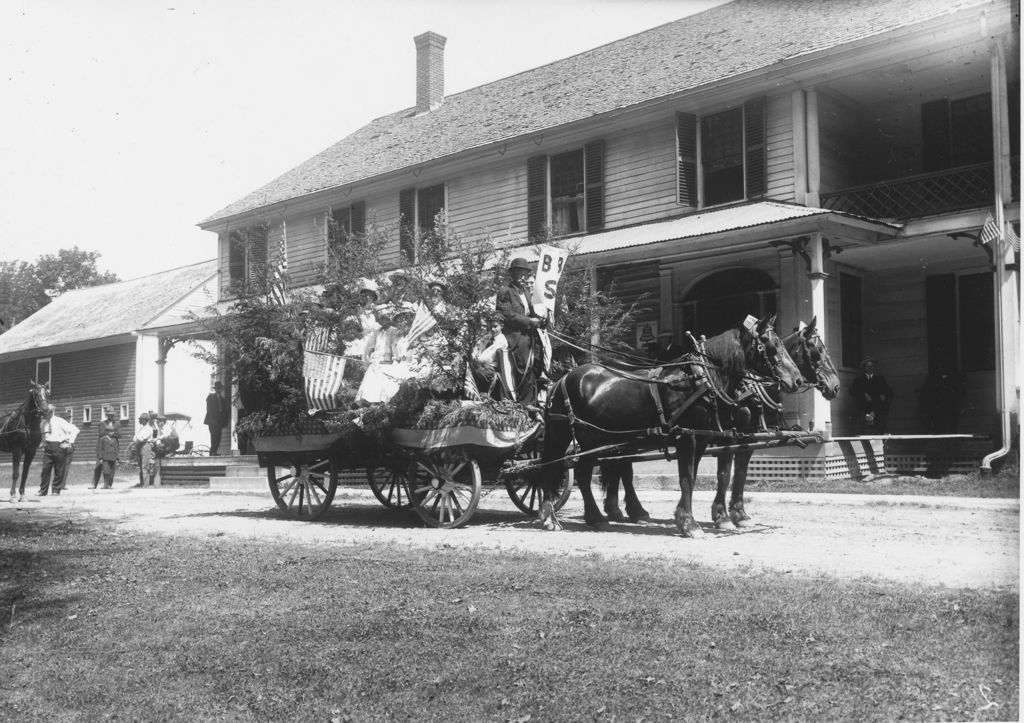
816, 365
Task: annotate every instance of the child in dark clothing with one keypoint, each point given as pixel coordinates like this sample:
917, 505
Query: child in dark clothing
107, 450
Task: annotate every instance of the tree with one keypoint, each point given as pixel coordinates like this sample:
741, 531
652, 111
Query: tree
27, 287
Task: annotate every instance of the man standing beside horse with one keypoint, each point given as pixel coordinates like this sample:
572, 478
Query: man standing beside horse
58, 445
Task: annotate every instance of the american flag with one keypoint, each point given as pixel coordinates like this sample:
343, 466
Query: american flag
423, 322
990, 231
321, 371
279, 274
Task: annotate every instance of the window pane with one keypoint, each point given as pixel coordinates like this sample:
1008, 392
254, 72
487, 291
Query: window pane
43, 372
722, 156
430, 202
850, 299
567, 193
970, 123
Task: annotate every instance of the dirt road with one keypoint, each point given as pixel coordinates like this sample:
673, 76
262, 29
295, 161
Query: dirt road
922, 540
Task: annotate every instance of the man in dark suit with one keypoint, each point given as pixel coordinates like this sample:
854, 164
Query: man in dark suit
873, 397
216, 416
519, 325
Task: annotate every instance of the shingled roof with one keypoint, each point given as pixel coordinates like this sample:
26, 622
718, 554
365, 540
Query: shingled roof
701, 49
104, 312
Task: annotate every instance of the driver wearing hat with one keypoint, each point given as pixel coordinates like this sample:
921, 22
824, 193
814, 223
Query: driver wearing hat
519, 321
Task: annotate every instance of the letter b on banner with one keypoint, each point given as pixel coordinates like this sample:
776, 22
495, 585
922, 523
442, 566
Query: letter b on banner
549, 271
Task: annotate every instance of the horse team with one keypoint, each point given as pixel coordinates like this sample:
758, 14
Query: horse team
725, 383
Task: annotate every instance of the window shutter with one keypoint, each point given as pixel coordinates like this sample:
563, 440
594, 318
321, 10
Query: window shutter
593, 173
257, 261
755, 147
407, 232
358, 217
536, 196
935, 140
686, 145
236, 258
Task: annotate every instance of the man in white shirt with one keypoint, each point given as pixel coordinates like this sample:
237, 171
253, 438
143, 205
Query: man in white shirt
58, 445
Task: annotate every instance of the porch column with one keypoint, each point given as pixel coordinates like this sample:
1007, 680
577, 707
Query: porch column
813, 197
164, 346
665, 320
821, 416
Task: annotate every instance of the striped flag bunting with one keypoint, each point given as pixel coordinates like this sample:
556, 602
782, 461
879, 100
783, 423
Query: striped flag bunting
469, 389
279, 275
990, 231
1013, 238
423, 322
321, 371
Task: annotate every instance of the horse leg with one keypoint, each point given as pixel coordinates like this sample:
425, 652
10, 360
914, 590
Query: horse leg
687, 459
591, 513
611, 472
736, 512
30, 454
634, 509
16, 463
719, 515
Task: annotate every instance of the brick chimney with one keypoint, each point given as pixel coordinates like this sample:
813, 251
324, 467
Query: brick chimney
429, 71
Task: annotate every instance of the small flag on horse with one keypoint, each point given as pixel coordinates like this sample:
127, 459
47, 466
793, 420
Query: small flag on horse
321, 371
279, 274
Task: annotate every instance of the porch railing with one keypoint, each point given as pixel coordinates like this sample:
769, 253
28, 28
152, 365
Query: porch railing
956, 189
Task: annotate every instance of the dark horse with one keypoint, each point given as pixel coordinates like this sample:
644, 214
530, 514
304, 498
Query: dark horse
21, 431
812, 359
598, 406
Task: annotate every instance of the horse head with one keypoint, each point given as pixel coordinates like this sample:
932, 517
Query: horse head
811, 356
766, 354
39, 396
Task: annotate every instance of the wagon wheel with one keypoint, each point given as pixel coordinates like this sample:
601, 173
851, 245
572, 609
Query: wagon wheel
445, 490
390, 485
304, 490
526, 494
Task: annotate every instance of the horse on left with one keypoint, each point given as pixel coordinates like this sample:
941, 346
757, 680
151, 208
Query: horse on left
21, 431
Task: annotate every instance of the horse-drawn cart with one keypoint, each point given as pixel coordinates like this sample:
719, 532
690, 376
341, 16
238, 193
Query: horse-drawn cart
441, 473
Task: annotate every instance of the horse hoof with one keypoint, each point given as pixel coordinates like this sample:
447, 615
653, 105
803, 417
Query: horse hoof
640, 518
616, 515
689, 528
724, 523
601, 525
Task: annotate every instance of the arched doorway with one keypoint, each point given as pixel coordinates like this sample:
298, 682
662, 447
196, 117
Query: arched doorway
723, 299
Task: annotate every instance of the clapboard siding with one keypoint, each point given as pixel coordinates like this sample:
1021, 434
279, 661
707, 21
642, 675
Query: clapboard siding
307, 243
94, 377
491, 200
640, 176
839, 132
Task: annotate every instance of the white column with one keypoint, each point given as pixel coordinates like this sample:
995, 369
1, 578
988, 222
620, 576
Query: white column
813, 152
822, 409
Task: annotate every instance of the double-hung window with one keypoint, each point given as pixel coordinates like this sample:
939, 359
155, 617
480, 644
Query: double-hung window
961, 322
565, 192
43, 371
247, 259
721, 157
956, 132
419, 209
345, 222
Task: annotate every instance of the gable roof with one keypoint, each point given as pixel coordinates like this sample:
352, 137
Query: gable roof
105, 312
723, 42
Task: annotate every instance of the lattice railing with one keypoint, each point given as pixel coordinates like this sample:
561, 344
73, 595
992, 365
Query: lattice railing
953, 190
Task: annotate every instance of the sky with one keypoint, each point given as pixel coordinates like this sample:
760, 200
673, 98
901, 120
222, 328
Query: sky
123, 123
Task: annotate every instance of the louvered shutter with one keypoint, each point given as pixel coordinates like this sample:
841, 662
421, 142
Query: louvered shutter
755, 147
537, 196
256, 266
935, 140
236, 258
593, 170
686, 144
358, 217
407, 233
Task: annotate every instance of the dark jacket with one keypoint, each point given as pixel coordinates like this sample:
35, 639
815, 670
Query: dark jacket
516, 322
877, 388
216, 410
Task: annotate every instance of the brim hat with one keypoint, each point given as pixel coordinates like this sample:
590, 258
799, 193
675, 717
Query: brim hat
868, 360
521, 264
368, 285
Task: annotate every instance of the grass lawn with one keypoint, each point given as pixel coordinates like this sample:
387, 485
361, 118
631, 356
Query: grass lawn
99, 625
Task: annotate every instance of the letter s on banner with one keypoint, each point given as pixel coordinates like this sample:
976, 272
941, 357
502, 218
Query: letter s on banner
549, 270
